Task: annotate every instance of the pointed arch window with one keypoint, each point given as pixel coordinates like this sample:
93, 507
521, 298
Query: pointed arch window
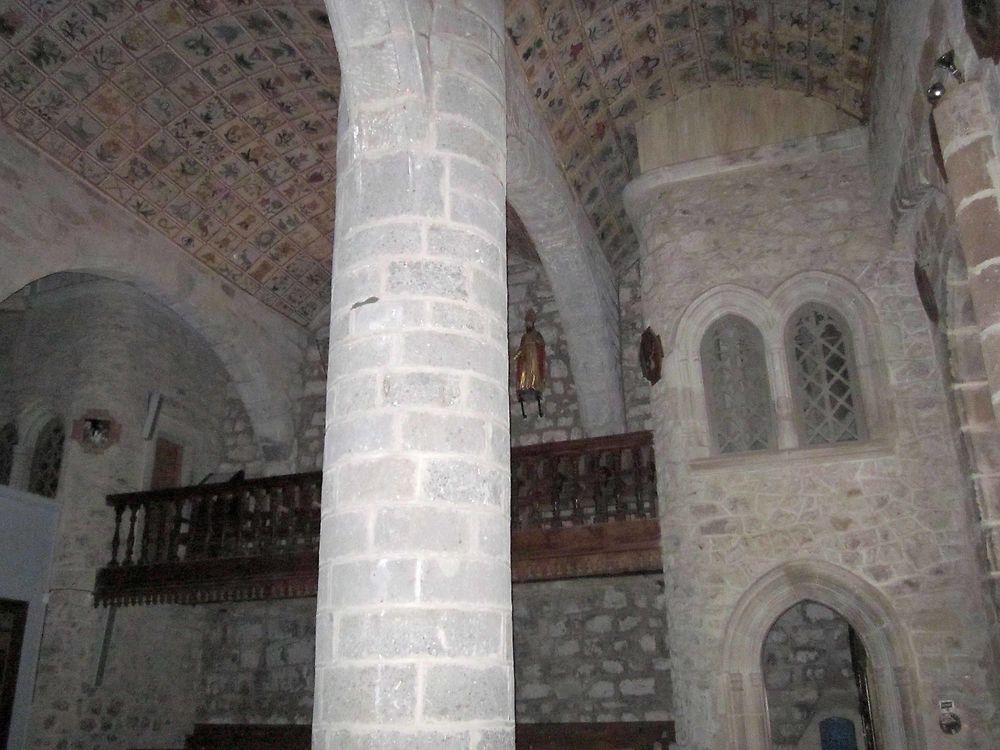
824, 377
46, 460
737, 389
8, 441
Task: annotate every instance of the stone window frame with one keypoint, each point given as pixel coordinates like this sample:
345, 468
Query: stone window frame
712, 397
770, 315
31, 420
54, 427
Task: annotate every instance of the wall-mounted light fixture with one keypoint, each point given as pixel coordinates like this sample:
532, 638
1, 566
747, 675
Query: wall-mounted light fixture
936, 91
947, 62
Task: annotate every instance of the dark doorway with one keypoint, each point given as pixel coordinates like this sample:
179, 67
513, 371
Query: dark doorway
13, 616
816, 677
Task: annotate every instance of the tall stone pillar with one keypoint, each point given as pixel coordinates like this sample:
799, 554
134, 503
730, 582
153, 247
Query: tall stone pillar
967, 127
413, 638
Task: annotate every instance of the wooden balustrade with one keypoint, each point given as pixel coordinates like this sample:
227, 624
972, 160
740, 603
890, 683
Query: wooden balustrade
584, 507
256, 538
581, 507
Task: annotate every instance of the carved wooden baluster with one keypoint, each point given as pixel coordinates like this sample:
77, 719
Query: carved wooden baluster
158, 532
147, 513
116, 539
277, 496
257, 528
631, 486
173, 547
554, 468
578, 489
133, 507
223, 523
242, 500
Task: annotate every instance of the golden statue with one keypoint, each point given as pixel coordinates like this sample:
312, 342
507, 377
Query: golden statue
529, 364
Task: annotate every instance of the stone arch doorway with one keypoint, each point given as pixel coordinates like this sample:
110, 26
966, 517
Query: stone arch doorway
815, 670
890, 670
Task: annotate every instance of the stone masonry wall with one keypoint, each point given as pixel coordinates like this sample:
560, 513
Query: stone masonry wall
807, 668
637, 408
591, 650
528, 287
105, 345
257, 662
895, 514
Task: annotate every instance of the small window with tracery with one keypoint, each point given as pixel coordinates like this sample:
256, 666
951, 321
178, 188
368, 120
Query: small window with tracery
46, 460
8, 441
737, 389
821, 354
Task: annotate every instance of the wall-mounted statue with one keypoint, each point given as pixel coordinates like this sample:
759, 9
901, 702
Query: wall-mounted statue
529, 365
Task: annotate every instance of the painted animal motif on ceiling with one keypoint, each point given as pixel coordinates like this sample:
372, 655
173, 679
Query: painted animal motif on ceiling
215, 121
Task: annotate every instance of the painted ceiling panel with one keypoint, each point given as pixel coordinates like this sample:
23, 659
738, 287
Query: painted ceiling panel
597, 66
215, 120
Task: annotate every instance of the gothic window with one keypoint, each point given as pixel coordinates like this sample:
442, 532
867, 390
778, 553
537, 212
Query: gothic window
8, 439
828, 405
47, 459
736, 386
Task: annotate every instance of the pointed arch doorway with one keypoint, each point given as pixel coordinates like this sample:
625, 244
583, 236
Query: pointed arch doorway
887, 657
816, 676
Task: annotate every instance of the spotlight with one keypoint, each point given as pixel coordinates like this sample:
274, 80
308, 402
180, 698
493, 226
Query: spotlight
934, 92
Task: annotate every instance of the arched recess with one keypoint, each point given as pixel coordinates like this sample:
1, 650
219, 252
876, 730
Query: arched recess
57, 225
868, 611
684, 365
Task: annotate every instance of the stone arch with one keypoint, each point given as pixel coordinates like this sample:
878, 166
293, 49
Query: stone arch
60, 226
583, 282
867, 610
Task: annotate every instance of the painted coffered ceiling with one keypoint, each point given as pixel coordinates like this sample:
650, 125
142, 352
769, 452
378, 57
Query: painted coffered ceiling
597, 66
215, 121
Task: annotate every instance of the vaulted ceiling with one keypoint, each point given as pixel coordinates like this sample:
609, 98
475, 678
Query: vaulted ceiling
597, 66
215, 121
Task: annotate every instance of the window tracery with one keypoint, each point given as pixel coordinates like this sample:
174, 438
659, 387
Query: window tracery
821, 360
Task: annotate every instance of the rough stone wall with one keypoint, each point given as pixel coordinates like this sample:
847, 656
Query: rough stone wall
637, 409
897, 516
240, 451
528, 287
105, 345
591, 650
257, 662
807, 666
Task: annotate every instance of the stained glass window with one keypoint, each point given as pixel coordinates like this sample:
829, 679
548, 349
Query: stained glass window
823, 377
736, 386
8, 439
47, 459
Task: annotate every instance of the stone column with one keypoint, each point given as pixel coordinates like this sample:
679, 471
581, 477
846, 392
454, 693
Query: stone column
967, 128
413, 637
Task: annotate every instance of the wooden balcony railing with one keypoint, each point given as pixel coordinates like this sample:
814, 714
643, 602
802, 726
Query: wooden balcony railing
583, 507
